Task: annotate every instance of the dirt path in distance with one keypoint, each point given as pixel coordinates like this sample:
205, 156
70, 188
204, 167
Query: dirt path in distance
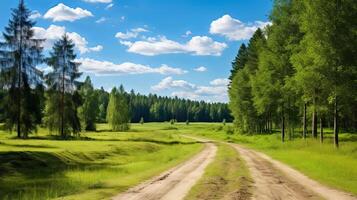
175, 183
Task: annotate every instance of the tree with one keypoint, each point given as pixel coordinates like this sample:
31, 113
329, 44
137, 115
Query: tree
89, 109
240, 90
19, 55
239, 61
118, 114
325, 60
273, 91
103, 99
63, 99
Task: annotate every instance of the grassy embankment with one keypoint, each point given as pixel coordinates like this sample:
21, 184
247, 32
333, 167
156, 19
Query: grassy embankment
322, 162
226, 177
99, 166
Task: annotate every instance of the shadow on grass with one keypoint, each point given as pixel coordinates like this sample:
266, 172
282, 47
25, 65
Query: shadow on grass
28, 146
57, 138
25, 172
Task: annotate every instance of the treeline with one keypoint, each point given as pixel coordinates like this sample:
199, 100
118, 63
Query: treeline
300, 70
57, 100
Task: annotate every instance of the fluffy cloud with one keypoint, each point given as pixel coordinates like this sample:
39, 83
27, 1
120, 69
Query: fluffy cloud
35, 14
109, 68
220, 82
53, 33
168, 83
98, 1
234, 29
217, 92
200, 69
62, 12
198, 45
133, 33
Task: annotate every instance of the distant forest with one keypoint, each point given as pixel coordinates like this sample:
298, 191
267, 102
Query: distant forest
154, 108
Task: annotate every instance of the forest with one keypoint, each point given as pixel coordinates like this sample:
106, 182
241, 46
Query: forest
299, 73
58, 101
288, 130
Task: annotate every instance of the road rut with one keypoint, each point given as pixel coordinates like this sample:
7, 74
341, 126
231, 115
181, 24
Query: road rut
175, 183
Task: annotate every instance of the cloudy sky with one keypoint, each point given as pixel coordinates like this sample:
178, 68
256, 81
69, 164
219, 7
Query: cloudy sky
178, 48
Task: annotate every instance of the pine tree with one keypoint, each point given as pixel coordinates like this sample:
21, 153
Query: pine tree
19, 55
63, 100
239, 61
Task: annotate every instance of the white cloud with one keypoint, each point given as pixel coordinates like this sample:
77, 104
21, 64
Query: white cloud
98, 1
185, 89
97, 48
122, 18
101, 20
220, 82
133, 33
200, 69
54, 33
198, 45
186, 95
234, 29
168, 83
109, 6
62, 12
35, 14
108, 68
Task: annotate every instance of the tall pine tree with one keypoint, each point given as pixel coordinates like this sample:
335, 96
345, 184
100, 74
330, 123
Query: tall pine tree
63, 100
19, 55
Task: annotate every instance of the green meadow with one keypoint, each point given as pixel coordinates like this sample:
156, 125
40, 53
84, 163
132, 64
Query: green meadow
104, 163
98, 165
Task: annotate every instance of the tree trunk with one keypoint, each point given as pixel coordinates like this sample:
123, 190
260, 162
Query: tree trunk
283, 126
314, 121
304, 123
321, 131
19, 85
335, 123
62, 98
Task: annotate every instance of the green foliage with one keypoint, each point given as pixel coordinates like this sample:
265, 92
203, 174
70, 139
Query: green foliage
20, 53
63, 99
305, 57
240, 91
89, 109
118, 114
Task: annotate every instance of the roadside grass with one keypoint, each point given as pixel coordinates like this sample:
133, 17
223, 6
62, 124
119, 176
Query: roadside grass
322, 162
227, 177
98, 166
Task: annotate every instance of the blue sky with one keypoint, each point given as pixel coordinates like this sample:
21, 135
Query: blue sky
176, 47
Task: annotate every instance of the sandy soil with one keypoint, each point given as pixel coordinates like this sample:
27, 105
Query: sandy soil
175, 183
275, 180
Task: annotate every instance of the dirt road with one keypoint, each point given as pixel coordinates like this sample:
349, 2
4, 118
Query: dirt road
175, 183
275, 180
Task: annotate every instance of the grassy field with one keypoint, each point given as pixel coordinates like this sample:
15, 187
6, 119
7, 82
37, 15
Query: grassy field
105, 163
226, 177
98, 166
322, 162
